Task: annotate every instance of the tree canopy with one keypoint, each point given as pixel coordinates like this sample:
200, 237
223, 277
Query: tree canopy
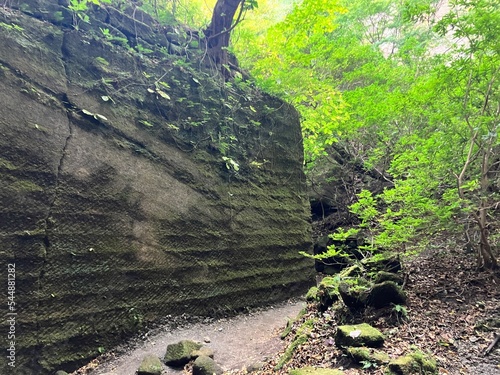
410, 90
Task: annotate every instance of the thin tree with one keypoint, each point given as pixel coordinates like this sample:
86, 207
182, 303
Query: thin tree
226, 15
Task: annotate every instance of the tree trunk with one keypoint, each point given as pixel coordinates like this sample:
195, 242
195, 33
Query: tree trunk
217, 34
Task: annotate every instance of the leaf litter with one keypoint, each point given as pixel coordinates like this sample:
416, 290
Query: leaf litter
453, 313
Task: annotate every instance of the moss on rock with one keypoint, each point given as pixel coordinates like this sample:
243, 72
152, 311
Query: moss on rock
413, 363
204, 365
358, 335
312, 294
300, 338
328, 292
290, 322
150, 365
179, 354
385, 294
382, 276
360, 354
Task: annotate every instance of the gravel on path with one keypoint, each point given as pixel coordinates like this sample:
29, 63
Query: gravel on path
237, 342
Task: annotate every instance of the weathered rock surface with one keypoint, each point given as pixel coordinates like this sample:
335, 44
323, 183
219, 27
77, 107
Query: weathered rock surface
360, 354
151, 365
132, 187
386, 293
412, 364
181, 353
358, 335
388, 276
354, 297
204, 365
204, 350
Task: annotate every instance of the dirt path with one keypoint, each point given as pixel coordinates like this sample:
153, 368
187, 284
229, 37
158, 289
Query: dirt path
237, 341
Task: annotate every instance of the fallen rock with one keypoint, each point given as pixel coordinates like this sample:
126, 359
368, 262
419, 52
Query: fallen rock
253, 367
388, 276
414, 363
151, 365
354, 296
181, 353
360, 354
328, 292
386, 294
60, 372
315, 371
358, 335
204, 365
204, 350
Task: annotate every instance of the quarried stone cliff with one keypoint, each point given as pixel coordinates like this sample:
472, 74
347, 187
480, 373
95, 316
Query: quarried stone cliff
134, 183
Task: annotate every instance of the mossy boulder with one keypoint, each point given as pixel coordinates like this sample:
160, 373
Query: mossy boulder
179, 354
315, 371
348, 284
358, 335
354, 292
203, 351
150, 365
328, 292
386, 294
312, 294
360, 354
204, 365
414, 363
382, 276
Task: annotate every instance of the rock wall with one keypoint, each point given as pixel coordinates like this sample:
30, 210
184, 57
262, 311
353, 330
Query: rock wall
134, 183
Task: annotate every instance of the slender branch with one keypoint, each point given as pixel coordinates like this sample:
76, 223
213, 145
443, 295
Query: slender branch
488, 91
490, 347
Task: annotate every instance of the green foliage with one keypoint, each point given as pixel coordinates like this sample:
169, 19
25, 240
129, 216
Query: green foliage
11, 27
231, 164
401, 310
287, 60
373, 77
80, 9
368, 364
195, 13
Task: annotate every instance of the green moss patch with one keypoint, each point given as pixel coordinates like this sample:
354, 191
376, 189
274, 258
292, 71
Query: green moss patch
312, 294
358, 335
300, 338
414, 363
181, 353
364, 354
